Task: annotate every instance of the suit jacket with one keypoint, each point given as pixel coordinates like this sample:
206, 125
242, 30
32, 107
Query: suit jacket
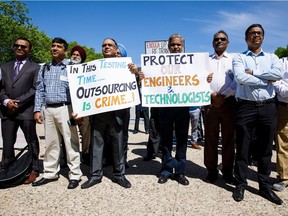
23, 88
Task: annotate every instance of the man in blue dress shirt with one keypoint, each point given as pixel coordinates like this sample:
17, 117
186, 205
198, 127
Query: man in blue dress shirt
255, 71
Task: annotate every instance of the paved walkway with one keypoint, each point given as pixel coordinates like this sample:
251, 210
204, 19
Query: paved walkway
146, 196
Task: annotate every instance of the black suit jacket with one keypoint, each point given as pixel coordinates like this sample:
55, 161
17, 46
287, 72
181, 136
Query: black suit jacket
22, 88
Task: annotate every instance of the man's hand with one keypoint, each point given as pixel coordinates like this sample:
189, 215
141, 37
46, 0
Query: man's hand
133, 68
38, 117
209, 77
217, 99
249, 72
12, 105
78, 120
141, 75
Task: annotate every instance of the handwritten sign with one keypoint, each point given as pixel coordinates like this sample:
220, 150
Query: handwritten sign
175, 79
102, 85
156, 47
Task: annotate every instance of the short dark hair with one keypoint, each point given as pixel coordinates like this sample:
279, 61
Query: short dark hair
221, 32
61, 41
23, 38
253, 26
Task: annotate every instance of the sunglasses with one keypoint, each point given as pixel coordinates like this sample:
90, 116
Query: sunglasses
18, 45
217, 39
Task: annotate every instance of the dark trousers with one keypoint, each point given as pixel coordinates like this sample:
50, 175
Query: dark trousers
263, 120
126, 134
178, 118
153, 144
9, 134
104, 126
216, 118
145, 115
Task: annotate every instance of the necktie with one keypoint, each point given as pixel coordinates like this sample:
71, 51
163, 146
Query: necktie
17, 69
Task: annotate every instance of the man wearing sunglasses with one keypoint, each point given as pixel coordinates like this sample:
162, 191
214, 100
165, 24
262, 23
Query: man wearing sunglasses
221, 112
17, 98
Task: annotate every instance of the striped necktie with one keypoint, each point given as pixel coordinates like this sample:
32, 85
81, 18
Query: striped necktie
17, 69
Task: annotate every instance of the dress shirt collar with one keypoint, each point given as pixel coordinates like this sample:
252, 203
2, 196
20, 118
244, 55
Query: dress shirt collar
22, 62
250, 53
215, 55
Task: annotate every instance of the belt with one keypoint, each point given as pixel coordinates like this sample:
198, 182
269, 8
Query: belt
282, 103
55, 105
256, 103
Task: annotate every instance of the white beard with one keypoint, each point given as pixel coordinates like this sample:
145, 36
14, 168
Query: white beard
76, 61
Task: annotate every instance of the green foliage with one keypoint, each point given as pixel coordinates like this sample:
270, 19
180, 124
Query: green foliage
16, 10
15, 24
281, 52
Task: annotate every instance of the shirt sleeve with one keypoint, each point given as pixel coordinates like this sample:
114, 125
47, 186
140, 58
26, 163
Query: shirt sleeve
40, 91
243, 78
275, 72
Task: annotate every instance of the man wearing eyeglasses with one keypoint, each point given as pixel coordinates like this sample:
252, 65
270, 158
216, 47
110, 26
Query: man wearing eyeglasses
17, 98
221, 112
255, 71
107, 129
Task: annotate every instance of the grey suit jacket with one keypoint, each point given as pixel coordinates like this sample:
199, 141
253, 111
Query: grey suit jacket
22, 88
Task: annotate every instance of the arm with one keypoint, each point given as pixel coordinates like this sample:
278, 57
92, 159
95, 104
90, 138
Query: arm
29, 96
40, 91
230, 90
243, 78
273, 73
281, 88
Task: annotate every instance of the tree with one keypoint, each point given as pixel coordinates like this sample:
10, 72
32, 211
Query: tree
15, 23
281, 52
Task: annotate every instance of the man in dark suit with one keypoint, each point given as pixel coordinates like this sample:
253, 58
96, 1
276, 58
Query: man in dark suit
107, 129
17, 102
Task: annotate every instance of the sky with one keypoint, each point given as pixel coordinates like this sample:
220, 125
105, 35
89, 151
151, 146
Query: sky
131, 23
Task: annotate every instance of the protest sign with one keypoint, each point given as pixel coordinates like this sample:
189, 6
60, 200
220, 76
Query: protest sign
175, 79
102, 85
156, 47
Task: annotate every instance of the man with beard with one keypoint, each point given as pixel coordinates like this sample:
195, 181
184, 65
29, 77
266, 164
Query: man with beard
221, 112
78, 56
53, 96
255, 71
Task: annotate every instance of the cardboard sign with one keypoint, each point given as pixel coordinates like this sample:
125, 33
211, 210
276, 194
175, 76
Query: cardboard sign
102, 85
175, 79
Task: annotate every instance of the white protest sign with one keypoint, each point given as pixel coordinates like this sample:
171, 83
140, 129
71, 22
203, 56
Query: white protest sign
156, 47
175, 79
102, 85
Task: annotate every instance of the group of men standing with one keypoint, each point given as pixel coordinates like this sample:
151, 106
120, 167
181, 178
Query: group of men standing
243, 86
43, 95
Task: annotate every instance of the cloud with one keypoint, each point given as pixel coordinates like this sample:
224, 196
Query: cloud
235, 18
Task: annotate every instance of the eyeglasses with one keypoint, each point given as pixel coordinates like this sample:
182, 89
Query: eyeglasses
175, 44
109, 45
255, 33
18, 45
222, 39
